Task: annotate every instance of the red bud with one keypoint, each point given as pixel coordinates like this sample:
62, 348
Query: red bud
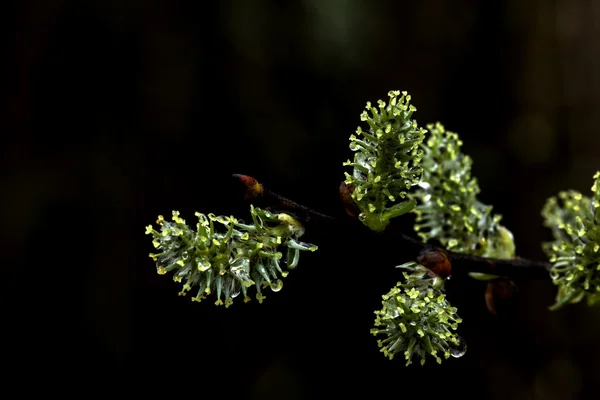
252, 188
437, 262
346, 190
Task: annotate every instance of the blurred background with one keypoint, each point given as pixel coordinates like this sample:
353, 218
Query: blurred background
113, 112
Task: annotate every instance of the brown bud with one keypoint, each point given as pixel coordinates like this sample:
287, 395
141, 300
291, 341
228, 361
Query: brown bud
346, 190
500, 295
252, 188
437, 262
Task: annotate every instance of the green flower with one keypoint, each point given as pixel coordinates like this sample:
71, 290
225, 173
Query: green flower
448, 209
230, 260
575, 251
417, 320
386, 162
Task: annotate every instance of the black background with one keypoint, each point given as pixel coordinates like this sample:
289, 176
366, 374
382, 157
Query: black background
116, 111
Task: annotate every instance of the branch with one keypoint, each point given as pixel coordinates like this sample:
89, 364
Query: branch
462, 264
252, 190
514, 268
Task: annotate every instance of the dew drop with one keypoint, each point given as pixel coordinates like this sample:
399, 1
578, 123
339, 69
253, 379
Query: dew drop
362, 216
412, 323
234, 287
458, 350
276, 285
203, 264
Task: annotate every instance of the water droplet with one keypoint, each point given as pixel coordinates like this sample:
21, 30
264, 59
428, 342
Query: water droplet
361, 159
276, 285
412, 323
437, 283
185, 255
394, 312
362, 216
203, 264
424, 185
233, 287
458, 350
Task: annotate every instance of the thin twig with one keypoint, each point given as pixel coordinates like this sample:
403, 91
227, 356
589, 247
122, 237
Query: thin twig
514, 268
462, 264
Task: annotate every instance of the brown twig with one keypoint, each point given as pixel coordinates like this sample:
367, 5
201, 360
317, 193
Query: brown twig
514, 268
462, 264
258, 192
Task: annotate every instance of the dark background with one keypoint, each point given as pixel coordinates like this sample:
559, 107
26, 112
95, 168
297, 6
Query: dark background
113, 112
